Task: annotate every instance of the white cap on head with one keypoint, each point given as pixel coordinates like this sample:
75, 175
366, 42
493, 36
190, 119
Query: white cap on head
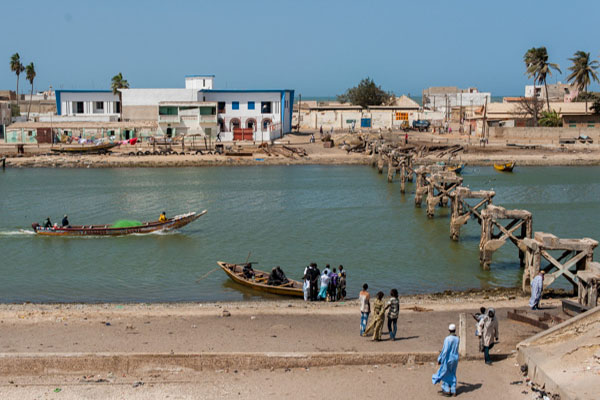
452, 327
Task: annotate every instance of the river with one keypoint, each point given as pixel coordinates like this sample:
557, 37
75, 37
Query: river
286, 216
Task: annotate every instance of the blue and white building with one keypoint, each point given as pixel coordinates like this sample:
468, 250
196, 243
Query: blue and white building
88, 105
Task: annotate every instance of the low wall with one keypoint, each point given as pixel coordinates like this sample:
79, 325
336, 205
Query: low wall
542, 133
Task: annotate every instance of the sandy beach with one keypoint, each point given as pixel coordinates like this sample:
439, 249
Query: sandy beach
250, 349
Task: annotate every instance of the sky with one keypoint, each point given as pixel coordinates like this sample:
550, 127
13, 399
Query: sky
318, 48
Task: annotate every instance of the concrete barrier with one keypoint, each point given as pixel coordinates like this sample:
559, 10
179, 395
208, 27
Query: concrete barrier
20, 364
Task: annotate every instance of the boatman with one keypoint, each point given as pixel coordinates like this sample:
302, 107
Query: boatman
65, 221
448, 361
163, 217
47, 223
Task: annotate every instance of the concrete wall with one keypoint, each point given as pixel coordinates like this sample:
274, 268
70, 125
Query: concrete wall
541, 133
140, 113
151, 97
199, 82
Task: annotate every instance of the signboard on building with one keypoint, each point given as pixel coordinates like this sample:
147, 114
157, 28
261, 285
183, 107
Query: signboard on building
401, 116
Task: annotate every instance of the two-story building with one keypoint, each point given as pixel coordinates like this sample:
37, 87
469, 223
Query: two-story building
88, 105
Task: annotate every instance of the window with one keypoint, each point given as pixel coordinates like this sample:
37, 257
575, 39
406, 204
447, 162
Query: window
207, 111
590, 125
235, 105
99, 105
265, 107
572, 125
221, 107
79, 107
167, 111
250, 105
117, 106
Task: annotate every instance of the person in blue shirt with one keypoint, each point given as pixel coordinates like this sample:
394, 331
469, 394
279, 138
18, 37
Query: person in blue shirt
448, 361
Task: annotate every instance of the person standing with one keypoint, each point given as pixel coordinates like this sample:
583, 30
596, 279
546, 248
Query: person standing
448, 362
306, 284
488, 327
365, 308
324, 284
376, 324
342, 286
333, 284
478, 317
394, 310
537, 286
314, 281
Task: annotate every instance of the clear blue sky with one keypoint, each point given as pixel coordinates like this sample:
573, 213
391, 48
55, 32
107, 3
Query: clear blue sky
319, 48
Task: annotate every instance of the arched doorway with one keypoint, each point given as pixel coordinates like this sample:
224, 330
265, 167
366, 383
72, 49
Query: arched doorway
266, 124
234, 124
251, 124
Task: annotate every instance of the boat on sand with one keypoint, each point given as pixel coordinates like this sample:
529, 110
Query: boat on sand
118, 229
259, 282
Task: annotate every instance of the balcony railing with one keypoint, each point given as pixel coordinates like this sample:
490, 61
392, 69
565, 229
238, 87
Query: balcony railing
168, 118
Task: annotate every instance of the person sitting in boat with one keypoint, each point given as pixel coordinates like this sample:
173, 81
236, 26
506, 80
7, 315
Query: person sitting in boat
248, 271
47, 223
277, 277
163, 217
65, 221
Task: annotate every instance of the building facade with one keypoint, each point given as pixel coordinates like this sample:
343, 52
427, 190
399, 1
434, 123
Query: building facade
89, 105
264, 114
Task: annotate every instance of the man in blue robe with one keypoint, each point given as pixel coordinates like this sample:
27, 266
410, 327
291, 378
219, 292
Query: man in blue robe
537, 285
448, 361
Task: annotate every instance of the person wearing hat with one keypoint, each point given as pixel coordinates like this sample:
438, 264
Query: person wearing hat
537, 286
448, 361
65, 221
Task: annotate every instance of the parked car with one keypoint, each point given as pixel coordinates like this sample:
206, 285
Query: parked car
421, 125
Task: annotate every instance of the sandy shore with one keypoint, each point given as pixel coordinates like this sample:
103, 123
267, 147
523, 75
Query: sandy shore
543, 154
289, 328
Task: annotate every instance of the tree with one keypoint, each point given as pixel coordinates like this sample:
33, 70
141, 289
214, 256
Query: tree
583, 72
30, 73
539, 68
17, 68
367, 93
550, 118
117, 82
529, 108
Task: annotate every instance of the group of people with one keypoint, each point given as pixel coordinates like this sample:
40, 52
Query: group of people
392, 306
329, 285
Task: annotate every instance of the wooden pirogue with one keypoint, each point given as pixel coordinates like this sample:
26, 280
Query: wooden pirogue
506, 167
106, 230
235, 272
97, 148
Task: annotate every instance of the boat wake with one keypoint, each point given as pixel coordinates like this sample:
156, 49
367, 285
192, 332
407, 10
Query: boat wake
19, 232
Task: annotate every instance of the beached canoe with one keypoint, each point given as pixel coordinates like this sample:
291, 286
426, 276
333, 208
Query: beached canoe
82, 148
505, 167
108, 230
235, 272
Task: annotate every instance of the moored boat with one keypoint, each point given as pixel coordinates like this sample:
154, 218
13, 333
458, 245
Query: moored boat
170, 224
457, 169
505, 167
259, 282
88, 149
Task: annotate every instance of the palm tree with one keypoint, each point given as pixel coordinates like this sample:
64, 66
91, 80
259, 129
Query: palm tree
30, 73
583, 72
539, 68
529, 60
17, 68
117, 83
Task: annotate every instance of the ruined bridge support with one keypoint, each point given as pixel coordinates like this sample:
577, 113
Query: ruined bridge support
462, 211
440, 188
575, 263
491, 218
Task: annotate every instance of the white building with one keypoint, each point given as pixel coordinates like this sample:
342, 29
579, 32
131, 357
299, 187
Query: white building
89, 105
187, 118
199, 82
444, 98
263, 114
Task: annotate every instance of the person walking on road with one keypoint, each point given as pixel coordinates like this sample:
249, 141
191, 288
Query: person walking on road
448, 362
488, 327
365, 308
537, 287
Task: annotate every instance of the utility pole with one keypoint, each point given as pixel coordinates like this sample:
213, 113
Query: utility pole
299, 109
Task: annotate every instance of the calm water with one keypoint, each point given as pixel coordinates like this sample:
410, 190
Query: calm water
286, 216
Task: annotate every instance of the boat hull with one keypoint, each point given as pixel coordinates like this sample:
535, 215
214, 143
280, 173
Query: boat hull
106, 230
100, 148
234, 271
507, 167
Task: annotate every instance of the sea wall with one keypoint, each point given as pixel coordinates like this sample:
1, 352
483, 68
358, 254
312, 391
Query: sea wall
543, 133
